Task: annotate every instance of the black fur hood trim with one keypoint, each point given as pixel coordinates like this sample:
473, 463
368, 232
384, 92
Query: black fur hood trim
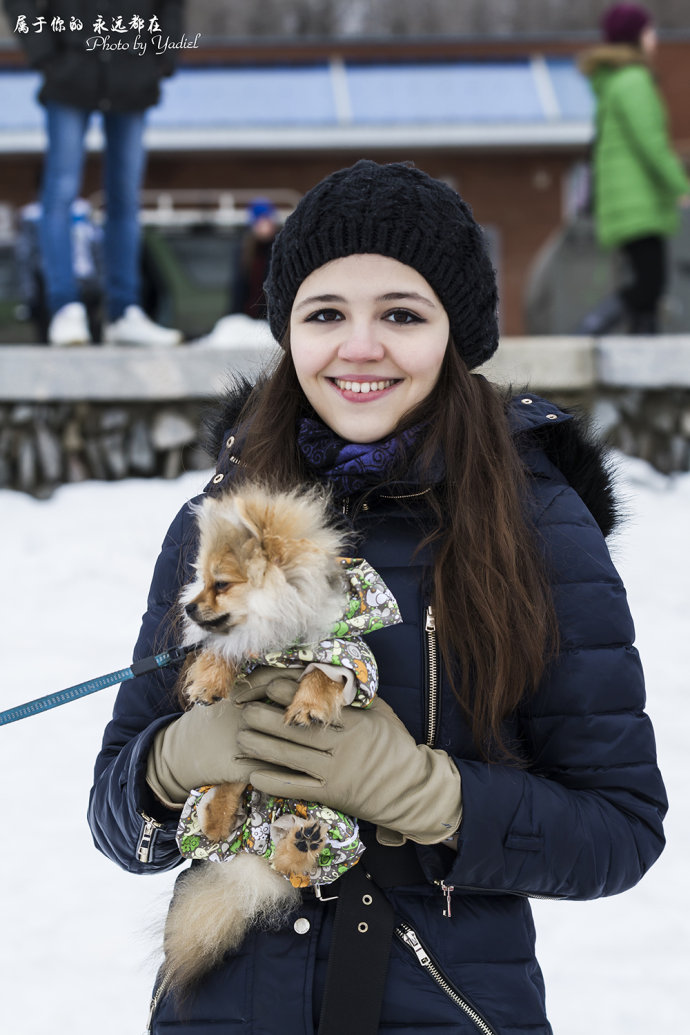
549, 437
546, 436
222, 415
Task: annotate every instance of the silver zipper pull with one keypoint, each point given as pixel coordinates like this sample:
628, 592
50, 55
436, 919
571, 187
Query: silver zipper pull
413, 941
148, 832
447, 889
430, 624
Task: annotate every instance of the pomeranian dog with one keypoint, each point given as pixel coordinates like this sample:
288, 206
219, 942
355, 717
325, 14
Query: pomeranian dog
268, 576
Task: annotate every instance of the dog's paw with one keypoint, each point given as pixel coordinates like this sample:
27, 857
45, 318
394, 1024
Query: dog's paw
318, 699
203, 695
298, 851
209, 678
310, 838
220, 811
311, 711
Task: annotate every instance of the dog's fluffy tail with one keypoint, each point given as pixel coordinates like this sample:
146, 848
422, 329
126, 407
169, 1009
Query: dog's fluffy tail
213, 907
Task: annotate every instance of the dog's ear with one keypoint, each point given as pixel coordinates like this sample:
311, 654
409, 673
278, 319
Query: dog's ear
256, 561
247, 519
277, 549
287, 553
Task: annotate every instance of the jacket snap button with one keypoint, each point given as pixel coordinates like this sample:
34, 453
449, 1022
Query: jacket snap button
218, 478
301, 925
527, 402
362, 927
367, 900
231, 442
552, 416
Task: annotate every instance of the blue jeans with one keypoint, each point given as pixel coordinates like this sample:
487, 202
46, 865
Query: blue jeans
124, 160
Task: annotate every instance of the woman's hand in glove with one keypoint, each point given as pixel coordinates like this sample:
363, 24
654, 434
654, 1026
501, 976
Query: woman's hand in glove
366, 765
200, 747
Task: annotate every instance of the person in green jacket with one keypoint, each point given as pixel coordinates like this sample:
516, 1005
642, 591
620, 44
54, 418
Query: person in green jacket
638, 180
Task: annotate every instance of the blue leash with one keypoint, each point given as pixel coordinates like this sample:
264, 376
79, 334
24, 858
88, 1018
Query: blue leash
73, 693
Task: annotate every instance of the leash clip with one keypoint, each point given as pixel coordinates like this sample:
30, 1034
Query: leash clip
180, 653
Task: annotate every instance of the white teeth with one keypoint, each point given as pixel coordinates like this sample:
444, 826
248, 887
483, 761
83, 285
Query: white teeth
363, 387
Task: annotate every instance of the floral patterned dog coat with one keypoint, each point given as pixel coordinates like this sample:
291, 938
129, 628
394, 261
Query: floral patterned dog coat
370, 606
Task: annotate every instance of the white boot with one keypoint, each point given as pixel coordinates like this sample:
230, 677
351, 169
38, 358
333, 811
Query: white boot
69, 326
135, 328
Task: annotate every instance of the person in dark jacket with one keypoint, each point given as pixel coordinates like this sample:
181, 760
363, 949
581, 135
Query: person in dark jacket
508, 754
96, 57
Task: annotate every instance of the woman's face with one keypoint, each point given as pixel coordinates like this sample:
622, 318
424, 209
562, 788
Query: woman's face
368, 336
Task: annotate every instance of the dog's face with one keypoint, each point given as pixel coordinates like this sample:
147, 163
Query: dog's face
267, 572
226, 577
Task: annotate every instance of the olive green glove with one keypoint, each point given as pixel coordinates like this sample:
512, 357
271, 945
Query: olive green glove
265, 681
199, 748
367, 765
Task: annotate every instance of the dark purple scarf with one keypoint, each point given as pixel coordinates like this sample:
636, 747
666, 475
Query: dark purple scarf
353, 467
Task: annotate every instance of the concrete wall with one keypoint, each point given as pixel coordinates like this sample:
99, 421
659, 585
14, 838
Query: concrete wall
634, 390
71, 414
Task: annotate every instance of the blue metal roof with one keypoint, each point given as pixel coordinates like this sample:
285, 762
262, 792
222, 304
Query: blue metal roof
300, 96
572, 90
337, 104
444, 93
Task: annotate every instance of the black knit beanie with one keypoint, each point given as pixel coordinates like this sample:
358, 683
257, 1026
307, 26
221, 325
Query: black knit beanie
401, 212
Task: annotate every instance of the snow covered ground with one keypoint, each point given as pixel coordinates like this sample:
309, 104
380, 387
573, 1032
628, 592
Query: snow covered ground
77, 947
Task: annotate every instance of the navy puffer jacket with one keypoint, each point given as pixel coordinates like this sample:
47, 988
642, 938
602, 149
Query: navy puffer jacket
581, 820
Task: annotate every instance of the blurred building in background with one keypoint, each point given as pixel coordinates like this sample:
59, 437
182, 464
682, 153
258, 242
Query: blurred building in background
301, 88
508, 122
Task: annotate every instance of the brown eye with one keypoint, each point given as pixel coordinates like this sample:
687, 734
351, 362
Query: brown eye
324, 316
403, 316
220, 587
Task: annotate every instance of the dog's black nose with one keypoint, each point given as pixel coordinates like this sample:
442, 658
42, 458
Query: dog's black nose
192, 609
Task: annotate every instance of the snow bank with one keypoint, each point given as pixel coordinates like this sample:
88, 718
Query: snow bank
78, 949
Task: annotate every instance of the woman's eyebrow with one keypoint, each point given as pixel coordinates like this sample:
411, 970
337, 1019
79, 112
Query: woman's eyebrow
313, 299
399, 296
390, 296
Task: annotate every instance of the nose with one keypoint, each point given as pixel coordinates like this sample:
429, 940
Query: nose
191, 610
361, 344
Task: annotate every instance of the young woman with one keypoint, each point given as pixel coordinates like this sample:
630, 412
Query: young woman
507, 754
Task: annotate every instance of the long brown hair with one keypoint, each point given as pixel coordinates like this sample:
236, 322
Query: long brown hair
495, 619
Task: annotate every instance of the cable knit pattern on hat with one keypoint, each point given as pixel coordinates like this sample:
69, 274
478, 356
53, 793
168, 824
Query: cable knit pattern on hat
398, 211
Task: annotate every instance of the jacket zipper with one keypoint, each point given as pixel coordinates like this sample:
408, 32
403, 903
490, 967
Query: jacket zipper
147, 837
404, 496
445, 888
407, 495
409, 938
431, 654
431, 677
432, 709
155, 999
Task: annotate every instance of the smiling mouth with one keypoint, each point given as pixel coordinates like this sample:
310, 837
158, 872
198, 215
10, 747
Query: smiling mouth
363, 387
